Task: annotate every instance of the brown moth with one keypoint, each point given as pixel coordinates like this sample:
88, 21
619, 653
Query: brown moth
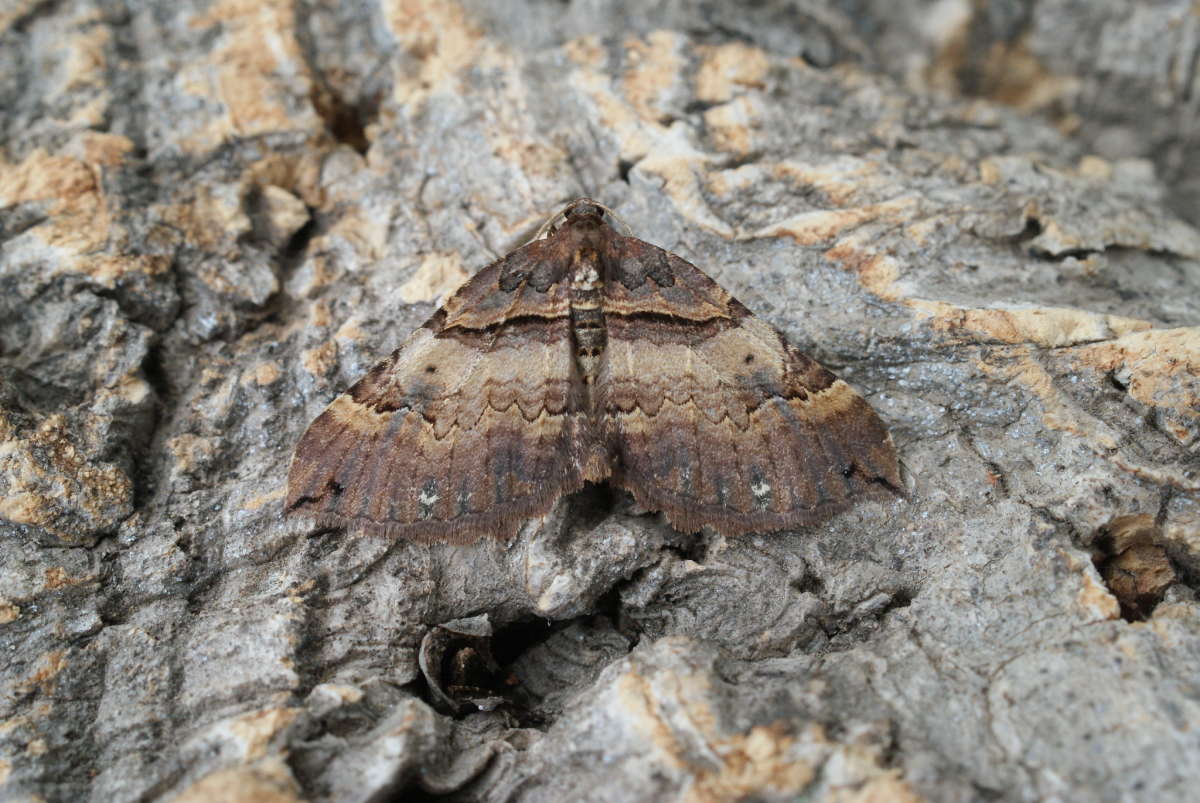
588, 355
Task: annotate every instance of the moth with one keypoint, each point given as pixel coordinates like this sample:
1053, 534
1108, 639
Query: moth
589, 355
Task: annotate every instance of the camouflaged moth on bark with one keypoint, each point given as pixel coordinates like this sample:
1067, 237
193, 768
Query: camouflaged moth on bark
588, 355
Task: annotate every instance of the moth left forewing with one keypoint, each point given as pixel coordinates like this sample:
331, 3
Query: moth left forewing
449, 438
718, 421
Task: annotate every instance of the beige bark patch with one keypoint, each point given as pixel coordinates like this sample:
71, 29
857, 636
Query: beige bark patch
877, 273
1047, 327
1095, 168
43, 677
45, 472
56, 577
727, 70
821, 226
587, 51
191, 452
1096, 599
255, 731
99, 148
86, 59
1057, 411
732, 125
297, 173
438, 275
80, 225
285, 214
1159, 367
9, 612
68, 184
351, 330
267, 781
212, 218
761, 760
655, 66
321, 360
109, 269
635, 136
258, 502
439, 37
266, 373
842, 179
255, 65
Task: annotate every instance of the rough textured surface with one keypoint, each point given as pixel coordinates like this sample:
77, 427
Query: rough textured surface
215, 215
1122, 78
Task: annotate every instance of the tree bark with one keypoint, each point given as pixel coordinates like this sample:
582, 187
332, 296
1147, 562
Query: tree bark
214, 216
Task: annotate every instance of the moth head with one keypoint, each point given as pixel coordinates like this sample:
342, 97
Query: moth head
585, 208
583, 212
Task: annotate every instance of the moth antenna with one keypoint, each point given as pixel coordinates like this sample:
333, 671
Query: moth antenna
910, 482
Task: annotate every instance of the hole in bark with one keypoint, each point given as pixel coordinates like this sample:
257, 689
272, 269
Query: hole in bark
511, 641
345, 122
623, 168
996, 477
811, 584
591, 505
1130, 560
901, 599
294, 251
298, 243
1033, 227
466, 668
461, 673
699, 106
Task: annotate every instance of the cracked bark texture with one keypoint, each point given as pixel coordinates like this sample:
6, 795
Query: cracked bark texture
215, 215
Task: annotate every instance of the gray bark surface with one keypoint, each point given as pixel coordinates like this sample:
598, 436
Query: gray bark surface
214, 216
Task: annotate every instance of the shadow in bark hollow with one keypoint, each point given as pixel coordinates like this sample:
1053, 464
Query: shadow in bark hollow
468, 668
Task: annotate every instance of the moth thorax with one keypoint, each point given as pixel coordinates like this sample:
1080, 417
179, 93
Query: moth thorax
586, 277
587, 319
